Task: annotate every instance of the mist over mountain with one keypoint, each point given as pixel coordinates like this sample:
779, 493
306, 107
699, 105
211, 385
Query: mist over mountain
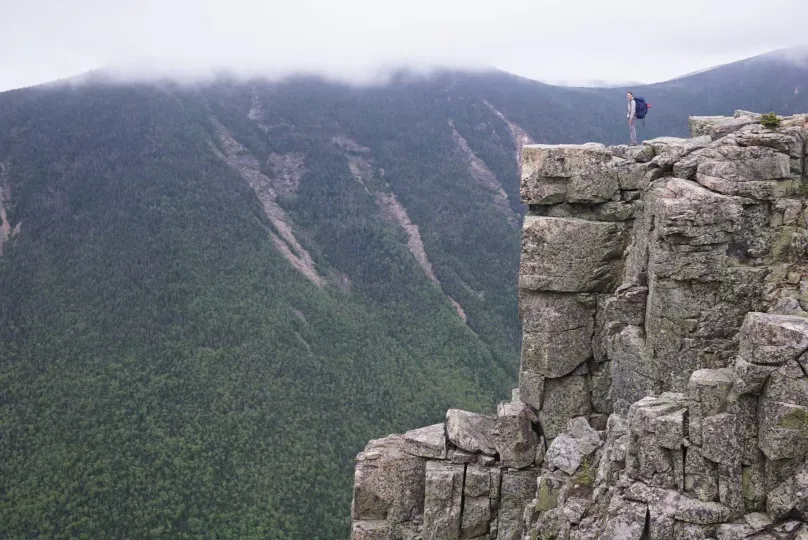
212, 295
571, 41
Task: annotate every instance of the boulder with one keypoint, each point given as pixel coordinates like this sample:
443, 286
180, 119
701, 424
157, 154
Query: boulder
757, 521
548, 492
471, 432
574, 509
564, 453
669, 150
730, 480
669, 429
710, 388
772, 339
625, 307
762, 190
588, 438
684, 262
495, 477
687, 166
691, 531
388, 482
601, 385
568, 450
625, 209
659, 420
598, 186
428, 442
477, 481
745, 410
783, 142
780, 499
455, 455
690, 326
801, 491
614, 449
516, 440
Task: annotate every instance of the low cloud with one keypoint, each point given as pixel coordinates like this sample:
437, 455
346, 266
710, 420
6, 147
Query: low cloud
362, 40
796, 55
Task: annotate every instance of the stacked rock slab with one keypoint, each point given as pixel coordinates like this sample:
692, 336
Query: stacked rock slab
468, 478
664, 293
640, 263
726, 459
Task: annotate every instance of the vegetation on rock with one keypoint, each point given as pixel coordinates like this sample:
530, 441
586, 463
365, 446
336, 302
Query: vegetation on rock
770, 120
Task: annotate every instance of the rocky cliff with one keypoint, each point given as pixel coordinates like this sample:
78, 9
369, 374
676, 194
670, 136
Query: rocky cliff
663, 389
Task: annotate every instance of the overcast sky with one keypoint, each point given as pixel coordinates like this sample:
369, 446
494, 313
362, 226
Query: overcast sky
556, 41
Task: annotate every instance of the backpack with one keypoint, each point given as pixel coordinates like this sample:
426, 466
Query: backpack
642, 107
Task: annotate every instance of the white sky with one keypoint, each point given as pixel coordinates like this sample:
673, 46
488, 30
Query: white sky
556, 41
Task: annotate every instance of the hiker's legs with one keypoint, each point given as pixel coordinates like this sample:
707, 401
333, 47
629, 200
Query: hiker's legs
632, 131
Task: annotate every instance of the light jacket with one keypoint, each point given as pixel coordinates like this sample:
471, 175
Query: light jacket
632, 109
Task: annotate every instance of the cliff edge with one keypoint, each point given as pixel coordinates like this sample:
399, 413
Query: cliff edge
663, 388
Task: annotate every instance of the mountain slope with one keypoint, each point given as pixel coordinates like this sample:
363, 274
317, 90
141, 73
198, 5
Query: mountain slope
211, 297
165, 370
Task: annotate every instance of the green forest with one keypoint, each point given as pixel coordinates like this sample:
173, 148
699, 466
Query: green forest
166, 373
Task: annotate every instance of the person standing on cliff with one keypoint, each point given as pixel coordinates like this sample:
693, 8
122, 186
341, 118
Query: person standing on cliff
631, 117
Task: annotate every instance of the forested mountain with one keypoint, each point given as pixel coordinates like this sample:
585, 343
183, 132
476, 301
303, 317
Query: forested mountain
212, 296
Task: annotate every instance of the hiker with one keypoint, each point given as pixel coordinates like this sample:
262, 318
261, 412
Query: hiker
637, 109
631, 116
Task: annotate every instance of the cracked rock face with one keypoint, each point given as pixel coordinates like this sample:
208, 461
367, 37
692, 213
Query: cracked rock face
663, 389
557, 336
570, 255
